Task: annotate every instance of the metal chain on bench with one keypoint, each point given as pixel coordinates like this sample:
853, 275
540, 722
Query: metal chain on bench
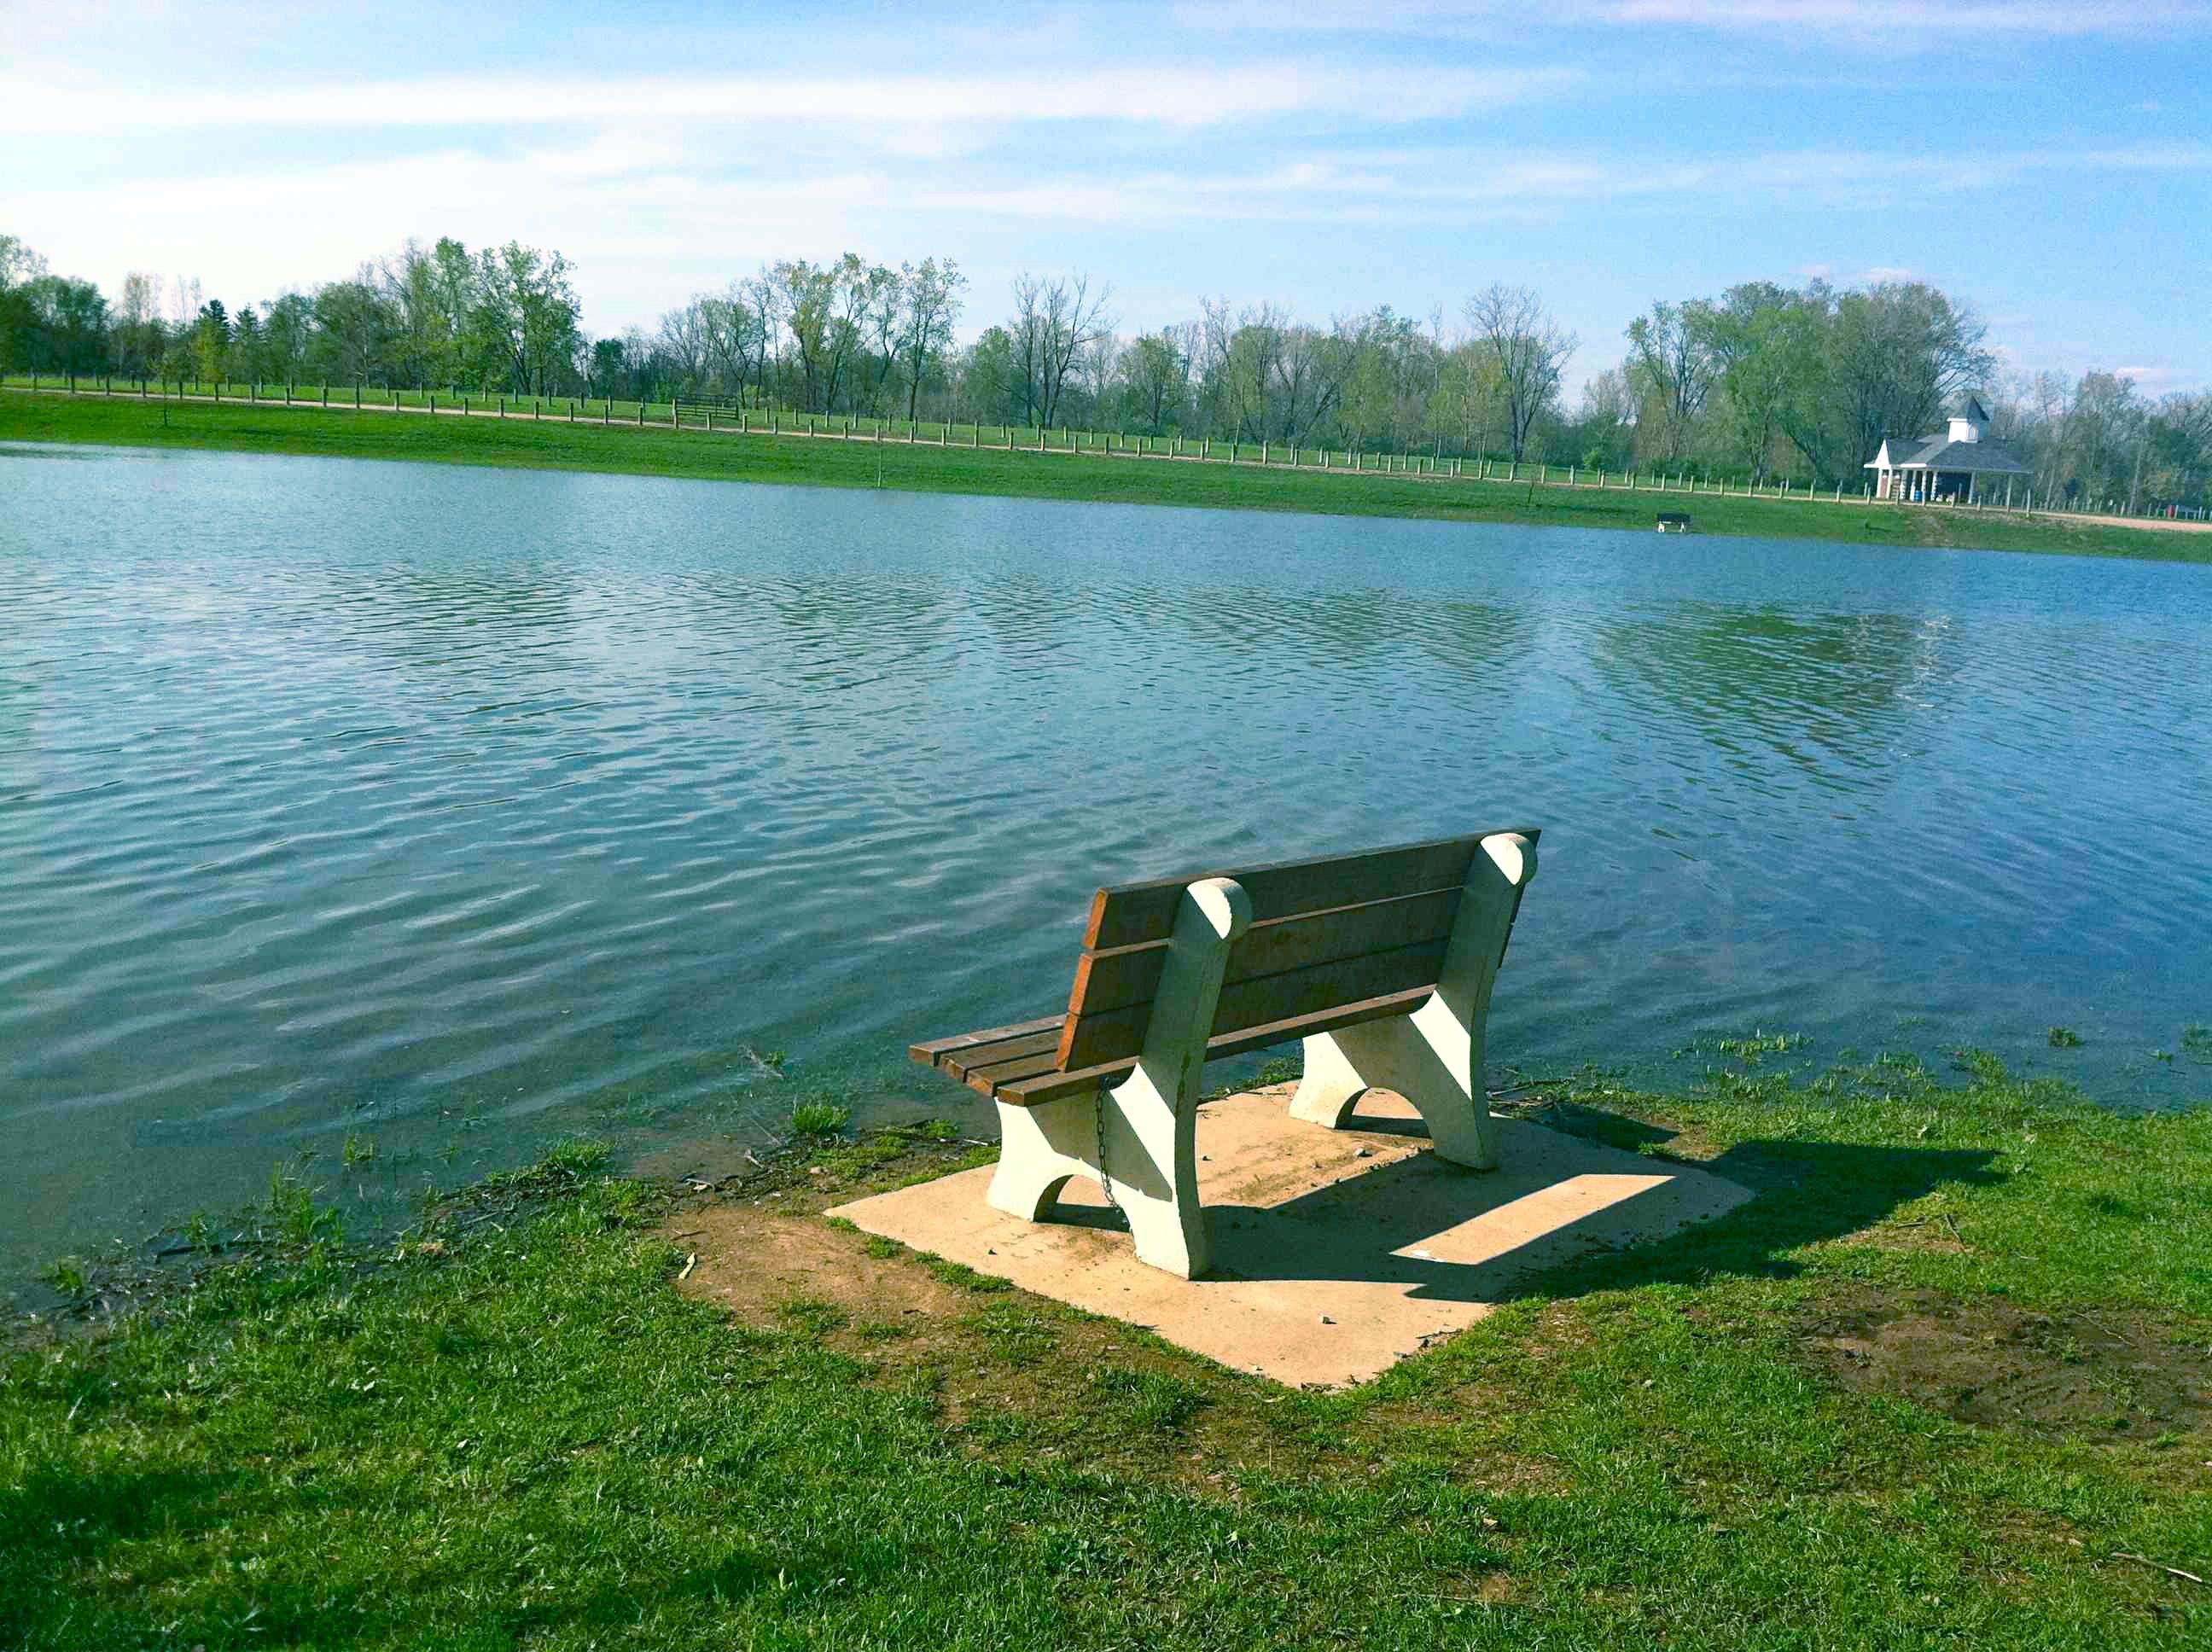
1105, 1174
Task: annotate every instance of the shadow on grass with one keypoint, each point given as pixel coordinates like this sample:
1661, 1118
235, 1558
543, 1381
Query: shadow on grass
57, 1525
53, 1522
1560, 1220
1806, 1192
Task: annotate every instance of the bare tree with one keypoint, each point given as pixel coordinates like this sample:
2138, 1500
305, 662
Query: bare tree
868, 309
1156, 375
808, 297
1255, 368
1026, 347
765, 294
736, 332
1053, 323
1531, 349
1671, 368
686, 342
931, 292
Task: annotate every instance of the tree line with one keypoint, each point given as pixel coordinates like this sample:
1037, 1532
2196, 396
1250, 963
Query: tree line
1814, 380
1761, 381
503, 317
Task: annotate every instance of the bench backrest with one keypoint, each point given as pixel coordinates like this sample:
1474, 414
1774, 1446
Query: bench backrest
1325, 934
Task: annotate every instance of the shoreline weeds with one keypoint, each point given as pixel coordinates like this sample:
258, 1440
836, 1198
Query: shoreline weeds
796, 459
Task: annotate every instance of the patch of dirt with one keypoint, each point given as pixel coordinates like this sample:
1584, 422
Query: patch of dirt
757, 1262
2159, 523
2105, 1377
1018, 1377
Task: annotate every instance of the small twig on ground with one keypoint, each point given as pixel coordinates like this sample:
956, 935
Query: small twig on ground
215, 1248
1950, 1222
689, 1262
694, 1234
2160, 1565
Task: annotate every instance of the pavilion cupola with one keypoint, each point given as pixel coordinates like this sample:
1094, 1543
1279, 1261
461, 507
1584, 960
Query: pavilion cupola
1971, 422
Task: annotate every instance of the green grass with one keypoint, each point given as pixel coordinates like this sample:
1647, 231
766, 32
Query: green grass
819, 1118
552, 444
525, 1438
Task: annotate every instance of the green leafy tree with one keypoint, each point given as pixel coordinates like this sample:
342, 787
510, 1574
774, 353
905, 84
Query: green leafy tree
211, 340
1760, 340
1671, 368
610, 366
19, 267
288, 337
987, 388
1156, 373
524, 320
931, 303
354, 332
69, 324
248, 349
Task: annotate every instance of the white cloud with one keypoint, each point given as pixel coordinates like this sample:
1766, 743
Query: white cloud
1890, 21
1164, 95
2151, 381
673, 208
1958, 19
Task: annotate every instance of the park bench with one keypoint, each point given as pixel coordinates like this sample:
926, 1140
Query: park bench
1382, 963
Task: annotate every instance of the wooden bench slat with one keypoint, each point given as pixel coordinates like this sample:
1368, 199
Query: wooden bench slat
1270, 1034
930, 1054
1051, 1086
989, 1078
1112, 1035
990, 1058
1130, 914
1120, 977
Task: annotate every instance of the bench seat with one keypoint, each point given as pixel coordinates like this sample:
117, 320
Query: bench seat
1019, 1065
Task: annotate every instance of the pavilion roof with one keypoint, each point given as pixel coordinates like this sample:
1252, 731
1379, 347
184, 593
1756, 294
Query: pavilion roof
1940, 452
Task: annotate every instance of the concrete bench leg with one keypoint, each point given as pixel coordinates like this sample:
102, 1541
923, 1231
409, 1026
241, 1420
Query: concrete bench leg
1151, 1166
1042, 1147
1151, 1151
1152, 1170
1433, 1057
1426, 1064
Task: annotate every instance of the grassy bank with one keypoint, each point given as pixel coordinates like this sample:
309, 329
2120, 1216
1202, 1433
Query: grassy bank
1943, 1382
828, 462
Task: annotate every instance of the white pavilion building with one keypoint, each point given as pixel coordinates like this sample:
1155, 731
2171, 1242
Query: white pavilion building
1961, 464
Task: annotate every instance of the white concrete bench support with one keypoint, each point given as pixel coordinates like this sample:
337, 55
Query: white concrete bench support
1150, 1118
1433, 1057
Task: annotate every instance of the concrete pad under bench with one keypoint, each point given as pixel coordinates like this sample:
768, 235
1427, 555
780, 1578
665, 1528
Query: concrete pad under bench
1337, 1253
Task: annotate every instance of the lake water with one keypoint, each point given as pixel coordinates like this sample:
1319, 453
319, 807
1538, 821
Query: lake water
451, 810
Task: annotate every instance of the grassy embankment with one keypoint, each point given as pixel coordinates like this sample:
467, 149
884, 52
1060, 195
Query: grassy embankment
1942, 1384
816, 461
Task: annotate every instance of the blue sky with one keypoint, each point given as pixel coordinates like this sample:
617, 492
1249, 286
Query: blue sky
2051, 162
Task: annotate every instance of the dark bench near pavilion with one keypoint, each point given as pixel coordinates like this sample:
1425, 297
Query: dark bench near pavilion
1381, 962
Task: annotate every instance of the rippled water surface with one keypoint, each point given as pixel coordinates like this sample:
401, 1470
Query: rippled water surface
451, 810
